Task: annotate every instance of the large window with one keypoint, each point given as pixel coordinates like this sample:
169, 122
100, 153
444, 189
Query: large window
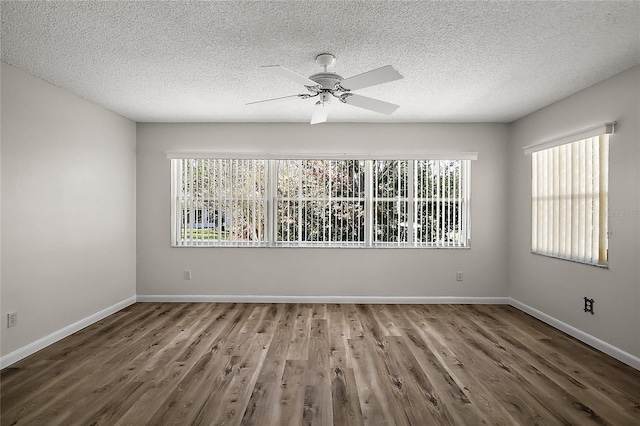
320, 202
569, 200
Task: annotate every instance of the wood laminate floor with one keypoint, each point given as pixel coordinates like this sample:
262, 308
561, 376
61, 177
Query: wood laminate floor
299, 364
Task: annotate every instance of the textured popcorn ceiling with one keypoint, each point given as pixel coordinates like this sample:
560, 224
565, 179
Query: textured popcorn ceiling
199, 61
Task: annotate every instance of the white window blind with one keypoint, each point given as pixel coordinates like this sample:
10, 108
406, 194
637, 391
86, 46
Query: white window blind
569, 194
219, 202
392, 223
320, 202
441, 198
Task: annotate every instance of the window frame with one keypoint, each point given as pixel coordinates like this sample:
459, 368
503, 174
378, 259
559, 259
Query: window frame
272, 199
561, 146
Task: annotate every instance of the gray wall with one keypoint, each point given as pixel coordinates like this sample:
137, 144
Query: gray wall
317, 271
68, 208
557, 287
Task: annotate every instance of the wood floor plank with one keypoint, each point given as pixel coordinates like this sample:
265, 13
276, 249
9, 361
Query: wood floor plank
231, 406
372, 398
319, 364
382, 321
263, 406
345, 401
375, 354
292, 396
317, 394
344, 397
299, 347
395, 319
355, 329
337, 338
319, 310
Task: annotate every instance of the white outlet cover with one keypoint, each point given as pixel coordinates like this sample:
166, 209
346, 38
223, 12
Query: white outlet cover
12, 319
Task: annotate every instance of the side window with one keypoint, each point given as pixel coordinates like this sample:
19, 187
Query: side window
569, 200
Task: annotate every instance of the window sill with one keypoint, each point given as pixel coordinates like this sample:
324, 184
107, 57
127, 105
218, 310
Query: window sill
356, 247
597, 265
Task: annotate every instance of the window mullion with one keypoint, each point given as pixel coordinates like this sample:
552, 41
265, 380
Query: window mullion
272, 201
191, 210
301, 218
201, 199
220, 216
368, 203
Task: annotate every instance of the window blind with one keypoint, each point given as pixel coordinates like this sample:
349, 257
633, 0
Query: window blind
219, 202
569, 194
319, 202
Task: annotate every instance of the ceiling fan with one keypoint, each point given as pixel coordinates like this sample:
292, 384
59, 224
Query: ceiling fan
327, 85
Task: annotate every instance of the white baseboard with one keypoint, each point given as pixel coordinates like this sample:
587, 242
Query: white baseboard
42, 343
590, 340
324, 299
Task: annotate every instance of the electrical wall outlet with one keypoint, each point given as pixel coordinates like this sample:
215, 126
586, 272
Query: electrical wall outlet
187, 274
12, 319
459, 276
588, 305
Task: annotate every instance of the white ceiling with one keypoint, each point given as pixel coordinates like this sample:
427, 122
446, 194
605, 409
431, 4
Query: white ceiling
199, 61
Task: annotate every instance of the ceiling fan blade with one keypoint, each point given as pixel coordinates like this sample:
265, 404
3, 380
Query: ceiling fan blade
291, 75
274, 99
371, 78
320, 113
370, 104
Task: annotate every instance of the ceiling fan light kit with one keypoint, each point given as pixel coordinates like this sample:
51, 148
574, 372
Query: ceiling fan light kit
327, 84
